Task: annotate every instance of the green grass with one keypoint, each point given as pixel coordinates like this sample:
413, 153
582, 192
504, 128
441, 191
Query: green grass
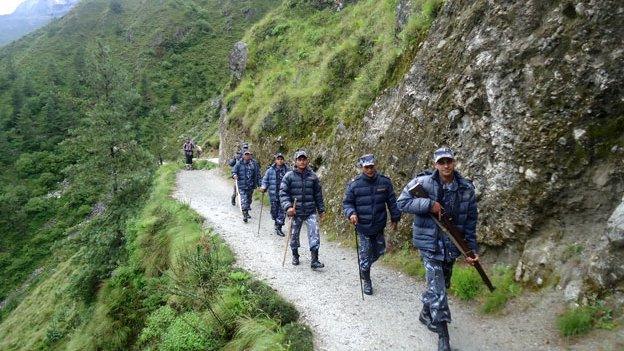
575, 321
465, 282
506, 288
406, 260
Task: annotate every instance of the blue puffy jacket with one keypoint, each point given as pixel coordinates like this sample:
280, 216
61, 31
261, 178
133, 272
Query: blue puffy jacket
425, 233
248, 173
273, 179
306, 188
368, 197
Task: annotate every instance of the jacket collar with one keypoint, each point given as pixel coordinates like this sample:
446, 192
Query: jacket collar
459, 179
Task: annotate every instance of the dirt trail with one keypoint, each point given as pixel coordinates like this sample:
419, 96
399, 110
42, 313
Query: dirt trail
329, 299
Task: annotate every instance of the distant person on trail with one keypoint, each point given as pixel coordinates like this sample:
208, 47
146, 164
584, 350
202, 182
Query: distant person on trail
365, 202
450, 193
246, 174
272, 181
303, 184
188, 148
232, 162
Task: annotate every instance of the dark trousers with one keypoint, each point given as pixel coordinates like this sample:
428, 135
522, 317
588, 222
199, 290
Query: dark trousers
189, 158
245, 199
277, 213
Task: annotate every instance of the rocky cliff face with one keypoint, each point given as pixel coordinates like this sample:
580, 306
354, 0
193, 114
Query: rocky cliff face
529, 94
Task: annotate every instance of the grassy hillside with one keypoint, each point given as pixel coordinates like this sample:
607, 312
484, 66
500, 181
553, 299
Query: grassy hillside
176, 290
71, 152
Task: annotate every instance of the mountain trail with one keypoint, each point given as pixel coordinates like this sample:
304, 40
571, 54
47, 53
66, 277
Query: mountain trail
329, 299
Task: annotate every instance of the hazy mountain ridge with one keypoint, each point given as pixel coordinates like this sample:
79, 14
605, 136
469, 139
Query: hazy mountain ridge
30, 15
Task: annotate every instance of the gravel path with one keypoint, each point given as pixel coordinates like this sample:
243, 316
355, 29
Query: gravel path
329, 299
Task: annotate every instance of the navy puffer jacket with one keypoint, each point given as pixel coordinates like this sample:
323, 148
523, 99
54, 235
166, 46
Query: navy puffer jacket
425, 233
306, 188
248, 174
273, 179
368, 198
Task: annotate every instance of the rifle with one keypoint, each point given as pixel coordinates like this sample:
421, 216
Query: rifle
456, 235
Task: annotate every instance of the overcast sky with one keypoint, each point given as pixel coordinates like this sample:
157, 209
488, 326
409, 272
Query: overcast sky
8, 6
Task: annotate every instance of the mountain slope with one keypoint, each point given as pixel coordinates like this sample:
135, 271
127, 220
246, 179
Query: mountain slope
30, 15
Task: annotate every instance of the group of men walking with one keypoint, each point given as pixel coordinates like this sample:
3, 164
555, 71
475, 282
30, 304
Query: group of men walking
368, 199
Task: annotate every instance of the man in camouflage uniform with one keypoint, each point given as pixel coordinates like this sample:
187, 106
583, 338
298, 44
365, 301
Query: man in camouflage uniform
454, 195
303, 184
246, 174
272, 181
365, 202
232, 162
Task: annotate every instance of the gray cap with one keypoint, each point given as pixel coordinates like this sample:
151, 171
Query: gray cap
278, 154
443, 152
367, 160
300, 153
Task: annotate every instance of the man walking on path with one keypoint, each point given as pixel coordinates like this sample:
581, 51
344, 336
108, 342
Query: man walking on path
188, 148
303, 184
365, 202
454, 195
246, 174
272, 181
232, 162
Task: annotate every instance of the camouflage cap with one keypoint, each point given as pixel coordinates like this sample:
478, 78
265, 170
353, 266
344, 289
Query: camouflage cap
278, 154
443, 152
300, 153
367, 160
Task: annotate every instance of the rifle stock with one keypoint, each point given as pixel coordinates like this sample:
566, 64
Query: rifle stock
457, 237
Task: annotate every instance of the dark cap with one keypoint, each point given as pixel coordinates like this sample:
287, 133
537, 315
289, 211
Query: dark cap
278, 154
443, 152
367, 160
300, 153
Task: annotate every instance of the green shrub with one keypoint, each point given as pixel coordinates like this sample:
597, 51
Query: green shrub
187, 333
156, 325
273, 305
575, 321
506, 289
465, 283
298, 337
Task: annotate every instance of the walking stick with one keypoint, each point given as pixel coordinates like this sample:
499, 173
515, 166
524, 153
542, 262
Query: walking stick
238, 195
357, 247
289, 233
260, 216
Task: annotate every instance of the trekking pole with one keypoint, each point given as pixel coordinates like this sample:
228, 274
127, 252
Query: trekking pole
289, 233
238, 195
260, 216
357, 248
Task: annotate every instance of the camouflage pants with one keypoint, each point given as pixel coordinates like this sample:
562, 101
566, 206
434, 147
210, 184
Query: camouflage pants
245, 199
371, 248
438, 276
314, 238
234, 193
277, 213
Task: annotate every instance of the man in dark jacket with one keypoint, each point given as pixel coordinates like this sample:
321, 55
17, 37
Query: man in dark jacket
232, 162
246, 174
302, 184
188, 148
453, 194
365, 202
272, 181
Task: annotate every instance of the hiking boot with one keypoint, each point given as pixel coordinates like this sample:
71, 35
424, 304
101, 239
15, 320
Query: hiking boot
315, 263
295, 257
367, 285
444, 343
278, 230
425, 319
245, 216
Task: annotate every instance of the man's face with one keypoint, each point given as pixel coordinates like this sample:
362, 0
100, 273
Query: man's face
247, 157
369, 170
302, 162
279, 161
445, 166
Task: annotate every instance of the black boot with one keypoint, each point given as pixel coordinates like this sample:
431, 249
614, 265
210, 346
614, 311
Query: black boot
245, 216
315, 261
295, 257
425, 319
367, 283
443, 337
278, 230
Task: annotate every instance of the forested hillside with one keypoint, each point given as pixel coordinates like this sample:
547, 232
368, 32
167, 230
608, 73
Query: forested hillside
89, 105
